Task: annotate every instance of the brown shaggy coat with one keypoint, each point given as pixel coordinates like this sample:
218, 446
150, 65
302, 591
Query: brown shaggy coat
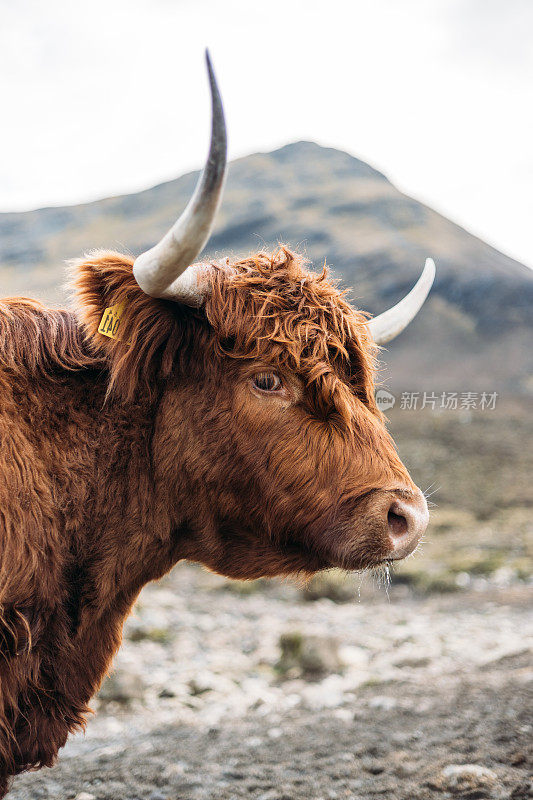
120, 457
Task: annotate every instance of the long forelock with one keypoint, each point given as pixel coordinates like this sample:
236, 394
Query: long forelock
270, 307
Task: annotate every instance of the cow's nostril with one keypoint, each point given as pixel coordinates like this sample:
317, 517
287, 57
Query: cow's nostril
397, 524
406, 522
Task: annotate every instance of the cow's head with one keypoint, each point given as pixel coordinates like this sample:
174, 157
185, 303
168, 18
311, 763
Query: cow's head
269, 451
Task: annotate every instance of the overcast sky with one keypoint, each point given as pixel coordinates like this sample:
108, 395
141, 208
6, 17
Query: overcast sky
110, 96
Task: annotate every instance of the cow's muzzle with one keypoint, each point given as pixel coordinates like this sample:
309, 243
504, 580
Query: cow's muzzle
386, 524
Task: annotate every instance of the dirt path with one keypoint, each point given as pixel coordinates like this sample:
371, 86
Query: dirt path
198, 707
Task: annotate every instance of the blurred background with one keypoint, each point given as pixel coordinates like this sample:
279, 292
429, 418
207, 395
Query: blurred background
370, 135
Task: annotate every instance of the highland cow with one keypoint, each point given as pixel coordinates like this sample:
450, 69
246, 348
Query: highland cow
217, 412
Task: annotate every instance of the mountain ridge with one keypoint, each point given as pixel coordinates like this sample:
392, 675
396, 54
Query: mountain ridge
336, 207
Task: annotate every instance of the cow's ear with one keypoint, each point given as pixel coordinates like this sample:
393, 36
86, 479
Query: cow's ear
138, 334
101, 281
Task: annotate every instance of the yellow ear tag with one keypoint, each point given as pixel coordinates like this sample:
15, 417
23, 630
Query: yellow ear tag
110, 322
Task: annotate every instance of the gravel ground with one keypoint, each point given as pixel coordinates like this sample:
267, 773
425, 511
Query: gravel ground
227, 691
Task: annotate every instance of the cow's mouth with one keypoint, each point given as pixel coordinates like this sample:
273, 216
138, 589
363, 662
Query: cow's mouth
314, 558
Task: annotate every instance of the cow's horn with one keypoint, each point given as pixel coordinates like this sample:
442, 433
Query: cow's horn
162, 270
388, 325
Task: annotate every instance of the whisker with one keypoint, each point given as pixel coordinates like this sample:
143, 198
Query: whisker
427, 496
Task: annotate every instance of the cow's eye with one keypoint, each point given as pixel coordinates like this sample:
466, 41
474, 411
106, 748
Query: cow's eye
267, 381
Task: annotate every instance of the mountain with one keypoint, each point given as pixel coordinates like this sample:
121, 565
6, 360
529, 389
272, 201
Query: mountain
474, 333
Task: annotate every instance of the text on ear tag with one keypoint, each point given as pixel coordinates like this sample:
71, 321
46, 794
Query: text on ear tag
110, 322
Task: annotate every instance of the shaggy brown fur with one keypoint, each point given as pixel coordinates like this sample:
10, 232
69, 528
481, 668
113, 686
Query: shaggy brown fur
118, 458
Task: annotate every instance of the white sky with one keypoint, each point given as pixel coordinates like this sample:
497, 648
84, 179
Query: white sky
102, 97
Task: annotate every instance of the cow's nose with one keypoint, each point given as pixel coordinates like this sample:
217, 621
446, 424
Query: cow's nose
407, 520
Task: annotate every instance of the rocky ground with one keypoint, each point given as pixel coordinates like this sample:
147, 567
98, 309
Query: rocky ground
228, 690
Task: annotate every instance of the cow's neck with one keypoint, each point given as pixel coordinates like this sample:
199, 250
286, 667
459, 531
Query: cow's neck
126, 529
116, 529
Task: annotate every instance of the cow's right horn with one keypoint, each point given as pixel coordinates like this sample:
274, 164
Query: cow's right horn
165, 270
388, 325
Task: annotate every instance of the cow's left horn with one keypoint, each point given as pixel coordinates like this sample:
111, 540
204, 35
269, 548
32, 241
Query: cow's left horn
388, 325
162, 270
